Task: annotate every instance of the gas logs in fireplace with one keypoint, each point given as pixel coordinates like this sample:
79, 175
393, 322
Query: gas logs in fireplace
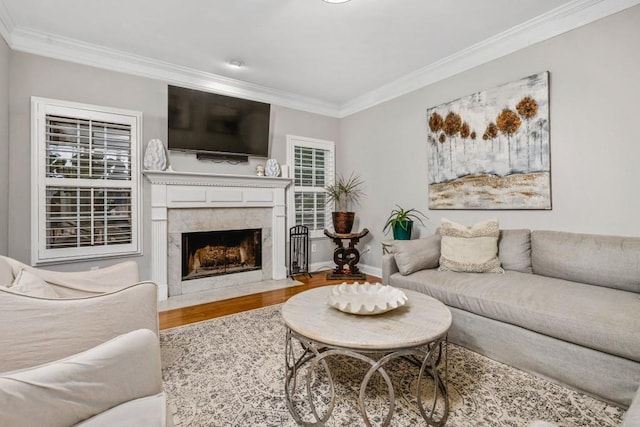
212, 253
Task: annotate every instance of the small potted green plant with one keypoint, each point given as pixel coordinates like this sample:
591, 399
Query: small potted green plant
400, 222
343, 193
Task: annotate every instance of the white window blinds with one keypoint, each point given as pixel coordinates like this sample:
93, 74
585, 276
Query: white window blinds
312, 162
87, 195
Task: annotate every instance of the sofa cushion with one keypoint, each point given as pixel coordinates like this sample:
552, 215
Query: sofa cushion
596, 317
470, 249
67, 391
514, 250
610, 261
418, 254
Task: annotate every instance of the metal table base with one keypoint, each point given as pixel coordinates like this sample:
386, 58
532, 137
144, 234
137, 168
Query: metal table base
315, 354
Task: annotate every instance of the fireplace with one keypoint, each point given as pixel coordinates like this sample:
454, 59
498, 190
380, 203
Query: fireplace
213, 253
185, 202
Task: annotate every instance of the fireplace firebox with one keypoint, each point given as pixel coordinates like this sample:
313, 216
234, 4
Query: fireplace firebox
213, 253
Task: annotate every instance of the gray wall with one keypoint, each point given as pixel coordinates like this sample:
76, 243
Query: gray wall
5, 55
295, 122
594, 142
595, 147
32, 75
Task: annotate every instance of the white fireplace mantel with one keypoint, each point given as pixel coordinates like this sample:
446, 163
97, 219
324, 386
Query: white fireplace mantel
176, 190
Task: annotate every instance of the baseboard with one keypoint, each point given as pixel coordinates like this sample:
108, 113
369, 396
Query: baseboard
321, 266
329, 265
371, 270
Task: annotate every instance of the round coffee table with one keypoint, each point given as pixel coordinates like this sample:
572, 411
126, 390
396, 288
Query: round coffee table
416, 331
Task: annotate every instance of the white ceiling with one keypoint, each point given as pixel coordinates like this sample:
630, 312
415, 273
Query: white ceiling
328, 58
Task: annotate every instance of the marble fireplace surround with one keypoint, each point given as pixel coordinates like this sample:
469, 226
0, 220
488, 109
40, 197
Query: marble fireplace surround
186, 201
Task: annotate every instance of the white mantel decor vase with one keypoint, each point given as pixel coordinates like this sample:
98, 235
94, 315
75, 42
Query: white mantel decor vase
155, 156
272, 168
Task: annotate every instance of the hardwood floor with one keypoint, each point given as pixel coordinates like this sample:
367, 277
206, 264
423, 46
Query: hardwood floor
197, 313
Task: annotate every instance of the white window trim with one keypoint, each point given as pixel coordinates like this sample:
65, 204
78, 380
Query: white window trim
320, 144
39, 254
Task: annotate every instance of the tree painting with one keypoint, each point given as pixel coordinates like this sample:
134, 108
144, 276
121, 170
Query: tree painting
508, 123
507, 169
490, 134
527, 108
451, 127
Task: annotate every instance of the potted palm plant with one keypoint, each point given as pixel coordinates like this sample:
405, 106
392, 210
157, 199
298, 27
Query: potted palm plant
400, 222
343, 193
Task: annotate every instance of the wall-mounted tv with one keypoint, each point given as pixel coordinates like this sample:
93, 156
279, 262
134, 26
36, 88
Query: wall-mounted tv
215, 125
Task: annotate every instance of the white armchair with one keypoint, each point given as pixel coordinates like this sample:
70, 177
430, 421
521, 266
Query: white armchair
79, 347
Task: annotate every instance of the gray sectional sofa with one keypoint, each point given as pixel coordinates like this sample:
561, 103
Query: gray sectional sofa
566, 308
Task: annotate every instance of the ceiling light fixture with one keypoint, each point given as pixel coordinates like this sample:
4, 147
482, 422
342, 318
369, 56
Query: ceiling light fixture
335, 1
236, 63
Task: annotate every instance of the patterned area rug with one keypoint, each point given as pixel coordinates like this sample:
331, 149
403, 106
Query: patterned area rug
229, 371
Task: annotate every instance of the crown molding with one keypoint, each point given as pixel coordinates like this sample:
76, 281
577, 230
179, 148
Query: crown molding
38, 43
555, 22
6, 23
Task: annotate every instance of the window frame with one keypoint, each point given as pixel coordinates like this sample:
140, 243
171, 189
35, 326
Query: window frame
40, 109
294, 141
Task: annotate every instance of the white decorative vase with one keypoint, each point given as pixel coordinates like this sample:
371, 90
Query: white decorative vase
366, 299
272, 168
155, 156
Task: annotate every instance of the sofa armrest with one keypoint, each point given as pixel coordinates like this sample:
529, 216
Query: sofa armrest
632, 416
71, 390
39, 330
389, 267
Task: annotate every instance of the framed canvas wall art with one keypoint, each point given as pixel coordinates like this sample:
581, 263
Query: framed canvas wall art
490, 150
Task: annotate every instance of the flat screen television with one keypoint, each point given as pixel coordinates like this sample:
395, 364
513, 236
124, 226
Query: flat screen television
217, 126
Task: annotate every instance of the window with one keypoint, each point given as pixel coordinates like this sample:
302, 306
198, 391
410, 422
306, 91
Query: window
85, 194
312, 164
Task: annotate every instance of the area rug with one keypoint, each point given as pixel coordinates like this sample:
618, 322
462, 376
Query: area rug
229, 371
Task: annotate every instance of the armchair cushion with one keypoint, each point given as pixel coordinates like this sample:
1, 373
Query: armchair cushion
144, 412
77, 283
68, 391
43, 329
29, 284
6, 272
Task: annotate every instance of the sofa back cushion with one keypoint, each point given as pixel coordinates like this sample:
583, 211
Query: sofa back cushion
609, 261
514, 250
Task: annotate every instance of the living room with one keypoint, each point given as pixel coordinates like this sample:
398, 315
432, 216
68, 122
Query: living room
591, 56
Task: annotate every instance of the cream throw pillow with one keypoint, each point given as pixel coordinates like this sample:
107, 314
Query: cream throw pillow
470, 249
29, 284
